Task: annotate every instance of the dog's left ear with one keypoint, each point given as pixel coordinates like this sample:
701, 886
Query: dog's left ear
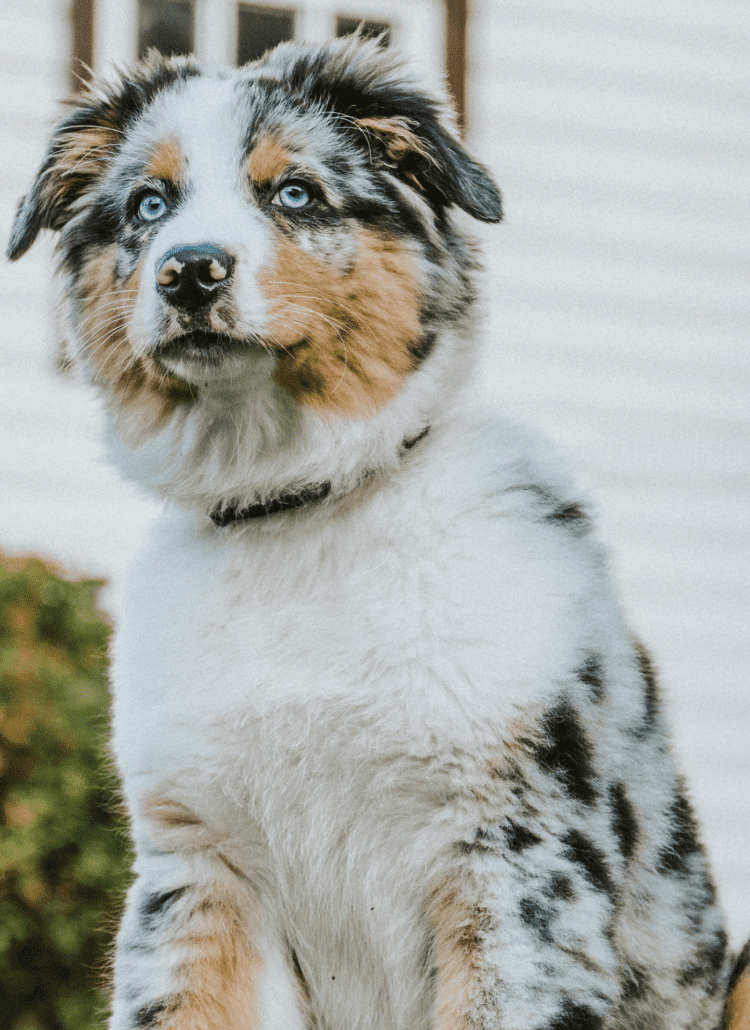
402, 125
423, 153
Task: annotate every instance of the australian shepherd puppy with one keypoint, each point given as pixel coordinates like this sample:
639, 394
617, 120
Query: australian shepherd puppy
392, 759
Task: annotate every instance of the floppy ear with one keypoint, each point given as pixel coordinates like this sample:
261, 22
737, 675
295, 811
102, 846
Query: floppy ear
431, 159
84, 143
79, 151
391, 115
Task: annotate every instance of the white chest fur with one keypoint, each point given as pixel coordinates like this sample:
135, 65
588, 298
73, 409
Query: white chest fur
426, 610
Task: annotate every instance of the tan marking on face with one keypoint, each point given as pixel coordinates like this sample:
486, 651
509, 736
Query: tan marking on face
268, 160
136, 383
737, 1016
166, 161
345, 338
455, 925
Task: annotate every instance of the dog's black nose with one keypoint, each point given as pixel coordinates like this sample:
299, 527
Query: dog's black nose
191, 277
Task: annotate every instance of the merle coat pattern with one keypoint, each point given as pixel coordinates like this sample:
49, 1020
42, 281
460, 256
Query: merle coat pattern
392, 758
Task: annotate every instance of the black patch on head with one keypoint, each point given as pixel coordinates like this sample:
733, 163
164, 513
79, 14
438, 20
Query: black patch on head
518, 837
559, 887
674, 858
576, 1017
624, 822
650, 693
566, 752
156, 904
581, 850
591, 674
538, 918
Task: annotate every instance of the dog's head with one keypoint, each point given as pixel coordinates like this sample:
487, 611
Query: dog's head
280, 230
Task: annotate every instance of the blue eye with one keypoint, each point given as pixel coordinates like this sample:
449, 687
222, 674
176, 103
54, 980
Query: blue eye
151, 207
294, 194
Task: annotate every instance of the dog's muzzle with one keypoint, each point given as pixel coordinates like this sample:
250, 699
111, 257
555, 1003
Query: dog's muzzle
191, 278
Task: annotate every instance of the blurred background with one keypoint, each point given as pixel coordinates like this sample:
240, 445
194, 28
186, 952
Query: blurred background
616, 323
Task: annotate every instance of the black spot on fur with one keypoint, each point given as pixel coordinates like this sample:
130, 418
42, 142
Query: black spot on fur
552, 509
559, 887
155, 905
421, 348
624, 822
708, 961
483, 841
591, 675
518, 838
650, 693
582, 851
635, 985
675, 857
148, 1016
566, 752
537, 917
572, 515
576, 1017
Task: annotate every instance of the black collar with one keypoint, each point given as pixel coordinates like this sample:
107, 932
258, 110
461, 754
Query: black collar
230, 514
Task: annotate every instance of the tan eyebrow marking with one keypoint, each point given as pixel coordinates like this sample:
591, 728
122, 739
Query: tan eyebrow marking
267, 160
166, 161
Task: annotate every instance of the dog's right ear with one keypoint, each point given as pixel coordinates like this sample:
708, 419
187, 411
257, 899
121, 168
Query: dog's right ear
81, 148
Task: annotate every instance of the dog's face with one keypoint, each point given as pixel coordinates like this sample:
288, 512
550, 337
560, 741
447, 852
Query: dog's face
288, 216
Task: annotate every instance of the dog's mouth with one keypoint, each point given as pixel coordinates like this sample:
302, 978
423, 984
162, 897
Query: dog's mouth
210, 350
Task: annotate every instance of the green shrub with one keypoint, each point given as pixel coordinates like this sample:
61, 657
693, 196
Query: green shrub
63, 849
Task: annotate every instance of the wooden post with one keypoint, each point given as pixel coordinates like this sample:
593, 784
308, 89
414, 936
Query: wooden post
455, 36
82, 16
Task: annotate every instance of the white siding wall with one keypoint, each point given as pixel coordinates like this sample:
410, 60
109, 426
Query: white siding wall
56, 499
619, 133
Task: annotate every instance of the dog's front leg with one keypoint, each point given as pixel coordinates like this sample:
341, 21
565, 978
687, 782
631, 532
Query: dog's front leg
195, 950
521, 922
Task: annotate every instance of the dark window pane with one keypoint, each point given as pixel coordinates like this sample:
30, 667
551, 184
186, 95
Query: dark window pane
166, 25
260, 29
345, 27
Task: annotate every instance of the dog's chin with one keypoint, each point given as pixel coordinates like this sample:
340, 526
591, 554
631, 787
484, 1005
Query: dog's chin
202, 356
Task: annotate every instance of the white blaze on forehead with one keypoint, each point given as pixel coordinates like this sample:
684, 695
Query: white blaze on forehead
205, 118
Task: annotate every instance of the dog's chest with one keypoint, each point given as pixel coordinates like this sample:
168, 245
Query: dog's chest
408, 629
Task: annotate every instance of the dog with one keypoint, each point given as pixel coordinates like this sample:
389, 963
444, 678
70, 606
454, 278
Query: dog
392, 759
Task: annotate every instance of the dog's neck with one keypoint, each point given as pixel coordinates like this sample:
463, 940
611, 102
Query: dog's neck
251, 445
233, 514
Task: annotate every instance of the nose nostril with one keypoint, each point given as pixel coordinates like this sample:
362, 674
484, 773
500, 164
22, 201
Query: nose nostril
168, 272
190, 277
217, 271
